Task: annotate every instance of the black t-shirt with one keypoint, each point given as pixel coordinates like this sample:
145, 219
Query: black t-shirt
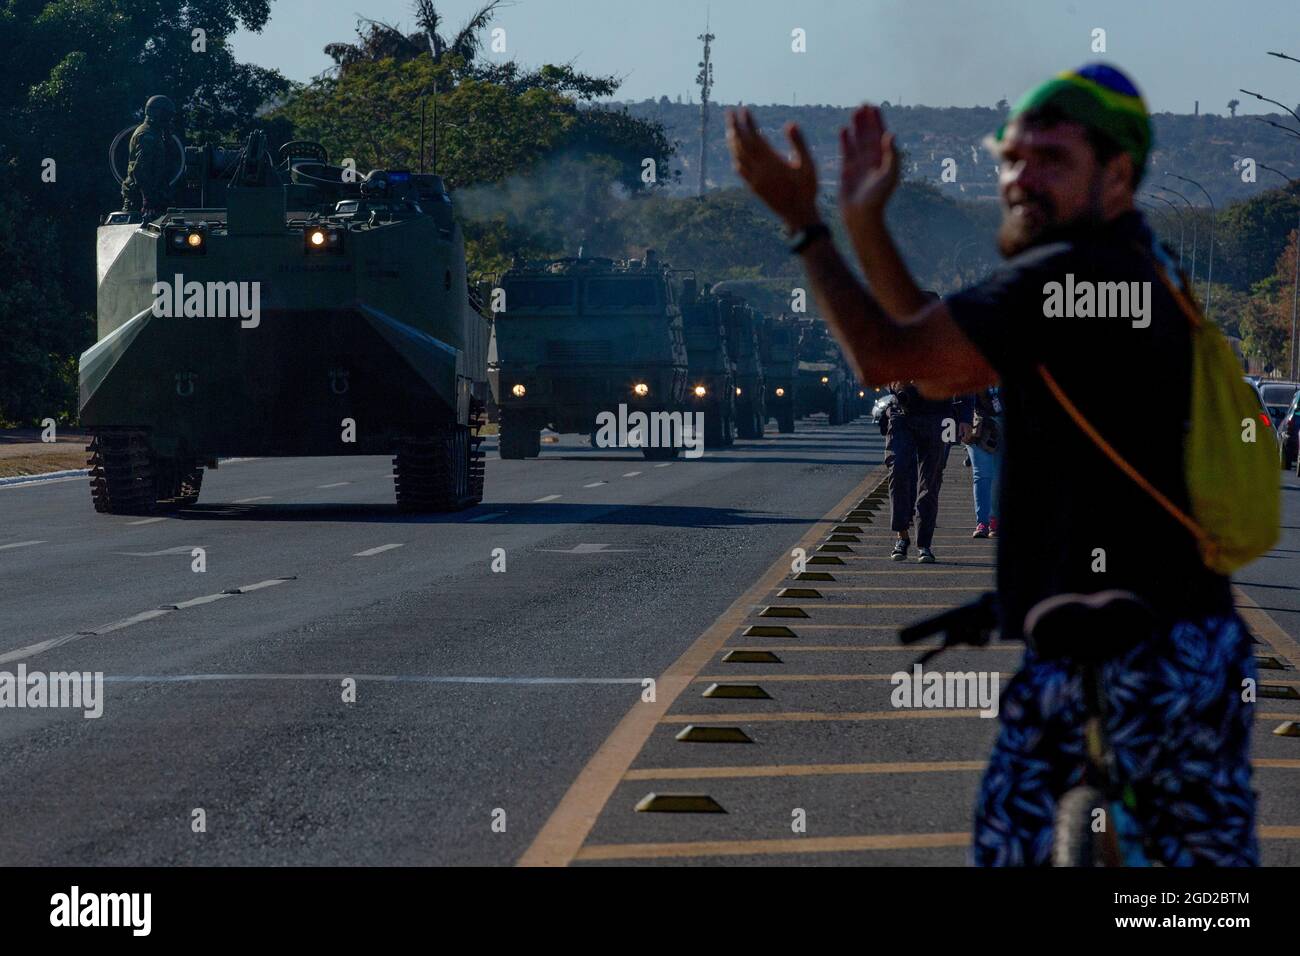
1065, 509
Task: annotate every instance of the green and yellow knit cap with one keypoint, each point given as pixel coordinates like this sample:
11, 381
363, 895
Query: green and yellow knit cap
1101, 98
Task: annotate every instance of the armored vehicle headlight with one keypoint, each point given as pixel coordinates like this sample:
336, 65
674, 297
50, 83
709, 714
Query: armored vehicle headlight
322, 239
825, 380
518, 391
641, 389
700, 391
737, 389
861, 394
780, 393
186, 241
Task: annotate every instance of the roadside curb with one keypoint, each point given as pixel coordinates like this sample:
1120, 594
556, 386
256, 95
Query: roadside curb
44, 476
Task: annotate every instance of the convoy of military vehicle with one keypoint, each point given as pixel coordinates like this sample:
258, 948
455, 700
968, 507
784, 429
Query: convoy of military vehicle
290, 307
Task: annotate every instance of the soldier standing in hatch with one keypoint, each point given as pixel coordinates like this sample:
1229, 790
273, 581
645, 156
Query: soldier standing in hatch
147, 186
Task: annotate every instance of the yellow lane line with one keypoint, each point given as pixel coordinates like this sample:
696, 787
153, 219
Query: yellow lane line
803, 770
811, 715
801, 716
654, 851
836, 844
857, 648
1266, 629
766, 677
850, 769
562, 836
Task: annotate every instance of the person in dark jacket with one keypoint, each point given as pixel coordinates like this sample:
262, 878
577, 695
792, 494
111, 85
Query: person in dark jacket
915, 454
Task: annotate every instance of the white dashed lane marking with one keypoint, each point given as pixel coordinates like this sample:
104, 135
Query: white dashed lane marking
335, 484
244, 501
596, 484
495, 514
19, 544
538, 501
664, 465
371, 551
632, 474
31, 650
146, 521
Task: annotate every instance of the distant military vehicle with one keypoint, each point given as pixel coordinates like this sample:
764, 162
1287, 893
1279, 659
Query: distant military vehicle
288, 308
711, 384
582, 336
744, 327
780, 367
825, 382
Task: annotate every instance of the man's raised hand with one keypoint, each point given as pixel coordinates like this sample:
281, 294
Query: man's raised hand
868, 168
787, 186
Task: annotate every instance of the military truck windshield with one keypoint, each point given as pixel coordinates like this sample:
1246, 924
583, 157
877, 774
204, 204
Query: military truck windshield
620, 295
532, 294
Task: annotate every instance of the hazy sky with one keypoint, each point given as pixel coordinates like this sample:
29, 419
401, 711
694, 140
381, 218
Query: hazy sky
933, 52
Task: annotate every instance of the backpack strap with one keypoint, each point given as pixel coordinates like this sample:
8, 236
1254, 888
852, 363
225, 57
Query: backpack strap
1208, 547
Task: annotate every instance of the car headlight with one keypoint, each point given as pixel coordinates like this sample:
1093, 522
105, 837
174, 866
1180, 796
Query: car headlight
518, 391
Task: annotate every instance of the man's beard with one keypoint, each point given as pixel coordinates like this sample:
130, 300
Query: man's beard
1018, 233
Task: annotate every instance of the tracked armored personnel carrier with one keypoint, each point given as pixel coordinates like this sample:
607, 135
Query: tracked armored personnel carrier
582, 336
711, 385
289, 307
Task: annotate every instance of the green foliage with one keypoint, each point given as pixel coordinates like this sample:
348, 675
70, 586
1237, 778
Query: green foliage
76, 72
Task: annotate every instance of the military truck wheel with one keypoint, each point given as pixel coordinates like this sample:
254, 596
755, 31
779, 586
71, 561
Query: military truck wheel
520, 438
441, 473
715, 429
122, 476
660, 454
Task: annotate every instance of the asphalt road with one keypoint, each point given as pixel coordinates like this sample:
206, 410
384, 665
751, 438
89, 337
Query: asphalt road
481, 696
477, 691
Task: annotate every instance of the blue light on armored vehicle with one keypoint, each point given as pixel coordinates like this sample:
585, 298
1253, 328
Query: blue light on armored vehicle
186, 241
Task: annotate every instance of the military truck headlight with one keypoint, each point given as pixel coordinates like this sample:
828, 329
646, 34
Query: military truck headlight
780, 393
319, 240
825, 380
641, 389
186, 241
700, 391
518, 391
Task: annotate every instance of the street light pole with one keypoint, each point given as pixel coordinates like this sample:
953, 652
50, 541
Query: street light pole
1181, 225
1295, 278
1209, 273
1194, 226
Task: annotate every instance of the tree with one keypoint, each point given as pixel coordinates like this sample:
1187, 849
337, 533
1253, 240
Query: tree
76, 72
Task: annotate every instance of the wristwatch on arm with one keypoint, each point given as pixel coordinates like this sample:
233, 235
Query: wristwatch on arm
801, 239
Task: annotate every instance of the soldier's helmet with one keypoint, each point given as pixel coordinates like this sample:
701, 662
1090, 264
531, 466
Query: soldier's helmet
159, 108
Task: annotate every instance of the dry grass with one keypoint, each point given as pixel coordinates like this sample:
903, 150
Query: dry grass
36, 459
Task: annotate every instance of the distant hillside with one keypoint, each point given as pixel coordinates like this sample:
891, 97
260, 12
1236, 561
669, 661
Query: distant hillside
1205, 148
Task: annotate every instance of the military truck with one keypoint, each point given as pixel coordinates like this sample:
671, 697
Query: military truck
711, 383
780, 366
823, 381
582, 336
287, 307
744, 324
